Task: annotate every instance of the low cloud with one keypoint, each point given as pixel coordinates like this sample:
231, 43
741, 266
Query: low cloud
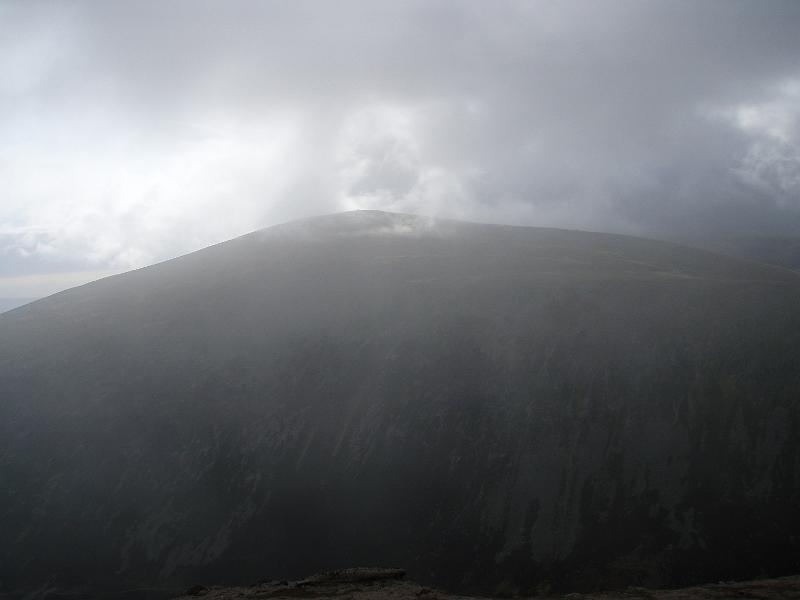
131, 133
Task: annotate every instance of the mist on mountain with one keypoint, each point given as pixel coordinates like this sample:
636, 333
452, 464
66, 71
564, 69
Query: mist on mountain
490, 407
504, 295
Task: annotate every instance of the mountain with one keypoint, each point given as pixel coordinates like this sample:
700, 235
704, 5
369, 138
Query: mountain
779, 251
492, 407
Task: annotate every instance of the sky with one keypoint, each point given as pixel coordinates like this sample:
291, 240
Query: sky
133, 132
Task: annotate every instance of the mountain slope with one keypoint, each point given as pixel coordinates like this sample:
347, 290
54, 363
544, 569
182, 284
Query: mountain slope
779, 251
486, 405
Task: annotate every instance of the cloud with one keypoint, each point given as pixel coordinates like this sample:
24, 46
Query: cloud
133, 132
772, 160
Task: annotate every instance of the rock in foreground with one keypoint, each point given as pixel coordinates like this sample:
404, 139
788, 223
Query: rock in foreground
389, 584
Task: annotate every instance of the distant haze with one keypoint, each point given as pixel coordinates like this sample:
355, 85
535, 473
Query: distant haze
134, 132
7, 304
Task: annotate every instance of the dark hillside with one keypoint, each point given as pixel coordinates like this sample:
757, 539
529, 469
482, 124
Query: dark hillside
492, 407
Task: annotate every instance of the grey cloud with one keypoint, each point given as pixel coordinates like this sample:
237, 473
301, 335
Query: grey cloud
599, 115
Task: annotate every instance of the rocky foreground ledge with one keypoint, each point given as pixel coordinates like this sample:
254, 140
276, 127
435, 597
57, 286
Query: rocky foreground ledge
390, 584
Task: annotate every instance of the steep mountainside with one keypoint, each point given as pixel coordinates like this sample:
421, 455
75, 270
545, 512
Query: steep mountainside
488, 406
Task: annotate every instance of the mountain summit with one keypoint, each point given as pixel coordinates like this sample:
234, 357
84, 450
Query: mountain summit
490, 406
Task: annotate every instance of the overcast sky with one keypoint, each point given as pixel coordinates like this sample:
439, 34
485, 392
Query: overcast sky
132, 132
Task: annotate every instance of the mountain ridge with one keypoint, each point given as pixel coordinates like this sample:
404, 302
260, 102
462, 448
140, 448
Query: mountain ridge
386, 222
